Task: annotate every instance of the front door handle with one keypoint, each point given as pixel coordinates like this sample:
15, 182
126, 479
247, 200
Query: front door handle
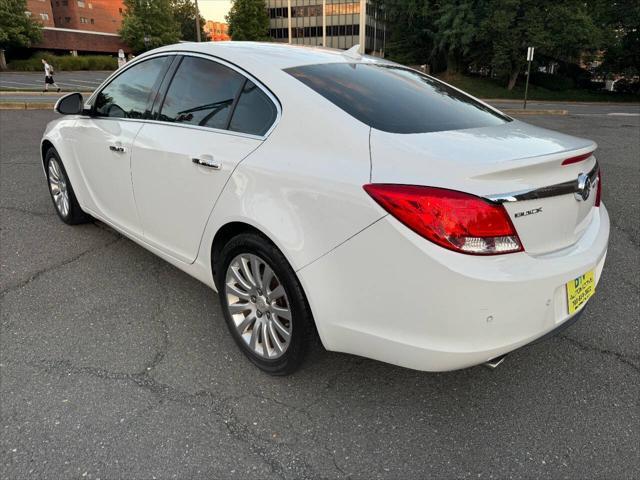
117, 148
207, 161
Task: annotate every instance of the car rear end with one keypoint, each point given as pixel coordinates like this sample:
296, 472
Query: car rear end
491, 232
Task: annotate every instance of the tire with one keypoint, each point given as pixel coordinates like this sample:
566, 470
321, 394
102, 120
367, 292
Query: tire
287, 352
61, 191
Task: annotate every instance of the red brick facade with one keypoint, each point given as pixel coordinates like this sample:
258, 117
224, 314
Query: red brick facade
93, 15
61, 39
68, 23
41, 11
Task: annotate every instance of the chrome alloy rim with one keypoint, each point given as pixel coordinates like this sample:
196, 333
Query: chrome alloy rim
58, 187
258, 305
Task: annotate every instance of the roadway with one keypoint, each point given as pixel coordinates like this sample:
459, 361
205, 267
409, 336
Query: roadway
114, 364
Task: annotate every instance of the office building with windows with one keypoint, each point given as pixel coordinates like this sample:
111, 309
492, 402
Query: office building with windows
331, 23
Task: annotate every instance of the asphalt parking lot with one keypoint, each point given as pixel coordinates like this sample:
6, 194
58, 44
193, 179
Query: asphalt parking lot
114, 364
73, 81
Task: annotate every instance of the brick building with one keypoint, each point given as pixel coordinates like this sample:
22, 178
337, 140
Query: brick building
87, 26
217, 31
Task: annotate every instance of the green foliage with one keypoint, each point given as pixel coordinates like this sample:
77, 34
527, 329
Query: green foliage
620, 23
65, 62
486, 88
184, 12
490, 33
149, 24
560, 30
16, 28
248, 20
552, 82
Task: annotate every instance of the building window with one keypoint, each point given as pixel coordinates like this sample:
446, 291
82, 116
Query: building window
84, 20
90, 5
65, 3
67, 19
92, 21
81, 3
27, 13
44, 16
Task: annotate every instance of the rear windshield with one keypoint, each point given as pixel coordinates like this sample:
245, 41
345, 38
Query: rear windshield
395, 99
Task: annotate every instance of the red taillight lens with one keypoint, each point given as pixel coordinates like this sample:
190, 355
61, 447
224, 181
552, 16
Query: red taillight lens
577, 159
599, 189
454, 220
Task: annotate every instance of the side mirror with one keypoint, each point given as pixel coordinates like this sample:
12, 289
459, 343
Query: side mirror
70, 104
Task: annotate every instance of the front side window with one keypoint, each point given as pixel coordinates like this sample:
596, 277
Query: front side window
254, 113
128, 95
201, 93
395, 99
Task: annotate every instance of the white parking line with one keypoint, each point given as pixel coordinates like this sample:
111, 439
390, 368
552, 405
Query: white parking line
22, 83
624, 114
94, 82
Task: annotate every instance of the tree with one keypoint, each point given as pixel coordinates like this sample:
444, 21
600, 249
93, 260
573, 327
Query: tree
561, 30
184, 12
248, 20
148, 24
16, 28
411, 30
620, 24
456, 31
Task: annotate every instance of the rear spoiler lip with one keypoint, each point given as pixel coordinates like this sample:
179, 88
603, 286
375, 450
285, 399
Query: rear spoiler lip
563, 188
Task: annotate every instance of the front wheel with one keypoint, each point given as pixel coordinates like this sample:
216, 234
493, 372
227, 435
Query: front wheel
62, 194
263, 303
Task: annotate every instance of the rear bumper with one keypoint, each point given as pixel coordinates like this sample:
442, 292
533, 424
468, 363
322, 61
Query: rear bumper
391, 295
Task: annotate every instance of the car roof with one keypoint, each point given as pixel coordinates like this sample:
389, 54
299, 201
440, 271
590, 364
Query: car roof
269, 55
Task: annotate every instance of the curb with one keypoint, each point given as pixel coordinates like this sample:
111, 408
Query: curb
25, 106
520, 111
33, 93
571, 102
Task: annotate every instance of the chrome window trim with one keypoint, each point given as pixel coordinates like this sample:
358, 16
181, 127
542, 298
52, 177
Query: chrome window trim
564, 188
205, 56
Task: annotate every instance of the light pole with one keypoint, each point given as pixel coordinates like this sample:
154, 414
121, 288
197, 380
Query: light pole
198, 39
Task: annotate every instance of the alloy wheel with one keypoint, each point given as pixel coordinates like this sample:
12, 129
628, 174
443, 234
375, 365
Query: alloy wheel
258, 305
58, 187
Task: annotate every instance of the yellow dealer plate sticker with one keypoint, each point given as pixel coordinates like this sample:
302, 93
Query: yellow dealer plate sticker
580, 290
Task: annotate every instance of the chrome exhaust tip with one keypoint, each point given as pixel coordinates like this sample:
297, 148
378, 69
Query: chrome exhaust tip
495, 362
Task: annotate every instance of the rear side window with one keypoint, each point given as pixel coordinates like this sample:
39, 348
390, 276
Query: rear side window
395, 99
127, 96
201, 93
254, 113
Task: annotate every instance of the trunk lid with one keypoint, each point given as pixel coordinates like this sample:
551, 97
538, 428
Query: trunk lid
513, 164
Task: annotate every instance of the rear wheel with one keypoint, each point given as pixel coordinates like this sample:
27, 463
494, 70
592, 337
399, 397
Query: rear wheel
263, 304
62, 195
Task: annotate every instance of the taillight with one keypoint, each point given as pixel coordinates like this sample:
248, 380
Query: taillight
577, 159
454, 220
599, 189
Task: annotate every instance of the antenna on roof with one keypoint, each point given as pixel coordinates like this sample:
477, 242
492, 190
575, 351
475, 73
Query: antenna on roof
353, 52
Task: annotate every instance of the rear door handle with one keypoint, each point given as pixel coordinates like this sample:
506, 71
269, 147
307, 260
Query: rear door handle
117, 148
207, 161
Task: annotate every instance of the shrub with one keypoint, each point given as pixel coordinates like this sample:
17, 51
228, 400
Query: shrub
552, 81
65, 62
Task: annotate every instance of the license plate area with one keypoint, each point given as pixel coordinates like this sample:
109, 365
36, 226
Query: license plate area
580, 290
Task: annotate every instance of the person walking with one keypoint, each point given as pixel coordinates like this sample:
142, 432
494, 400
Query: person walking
48, 77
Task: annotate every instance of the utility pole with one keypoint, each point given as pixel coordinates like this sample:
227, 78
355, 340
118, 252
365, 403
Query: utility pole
324, 23
362, 37
198, 39
289, 19
529, 60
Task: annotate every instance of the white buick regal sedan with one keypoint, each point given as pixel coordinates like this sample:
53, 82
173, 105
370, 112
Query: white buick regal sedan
324, 193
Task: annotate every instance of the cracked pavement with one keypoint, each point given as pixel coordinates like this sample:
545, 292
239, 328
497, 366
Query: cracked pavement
114, 364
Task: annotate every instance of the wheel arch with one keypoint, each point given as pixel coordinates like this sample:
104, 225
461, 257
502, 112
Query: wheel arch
233, 228
44, 148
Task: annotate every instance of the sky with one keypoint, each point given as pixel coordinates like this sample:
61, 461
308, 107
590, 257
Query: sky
214, 9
